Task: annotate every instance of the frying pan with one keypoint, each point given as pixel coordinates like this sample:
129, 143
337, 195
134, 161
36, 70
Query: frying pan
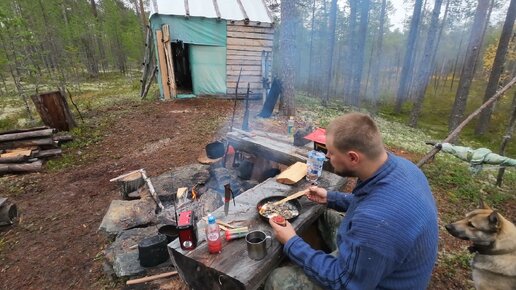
274, 198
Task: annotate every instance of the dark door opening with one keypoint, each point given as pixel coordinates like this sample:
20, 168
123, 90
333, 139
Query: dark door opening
183, 75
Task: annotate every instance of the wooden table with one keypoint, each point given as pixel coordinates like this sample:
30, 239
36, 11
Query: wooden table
232, 268
271, 146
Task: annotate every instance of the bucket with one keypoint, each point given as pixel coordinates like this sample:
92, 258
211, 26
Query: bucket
170, 231
215, 150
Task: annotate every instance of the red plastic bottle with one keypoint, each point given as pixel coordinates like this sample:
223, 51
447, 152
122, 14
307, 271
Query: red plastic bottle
213, 236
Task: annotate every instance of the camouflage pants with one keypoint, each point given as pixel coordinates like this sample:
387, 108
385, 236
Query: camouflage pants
292, 277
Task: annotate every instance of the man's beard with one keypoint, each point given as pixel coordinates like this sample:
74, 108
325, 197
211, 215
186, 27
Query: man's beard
346, 173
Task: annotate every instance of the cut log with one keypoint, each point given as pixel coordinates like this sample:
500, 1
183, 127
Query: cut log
14, 159
54, 111
23, 167
8, 212
130, 183
28, 143
63, 138
48, 153
24, 130
26, 135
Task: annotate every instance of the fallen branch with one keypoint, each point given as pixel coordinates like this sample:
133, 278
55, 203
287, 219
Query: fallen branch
459, 128
151, 278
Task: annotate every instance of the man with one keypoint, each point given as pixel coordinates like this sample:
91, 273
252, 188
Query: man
388, 236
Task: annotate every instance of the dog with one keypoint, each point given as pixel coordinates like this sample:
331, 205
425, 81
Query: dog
494, 245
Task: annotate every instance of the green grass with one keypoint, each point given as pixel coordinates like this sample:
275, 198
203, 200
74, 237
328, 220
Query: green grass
455, 260
448, 176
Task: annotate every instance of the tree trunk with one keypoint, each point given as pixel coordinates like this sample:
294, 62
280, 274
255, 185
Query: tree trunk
360, 53
54, 111
351, 49
408, 61
287, 51
375, 79
311, 91
468, 70
426, 65
498, 67
331, 45
507, 138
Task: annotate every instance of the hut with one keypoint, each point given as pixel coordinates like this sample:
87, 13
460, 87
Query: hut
201, 46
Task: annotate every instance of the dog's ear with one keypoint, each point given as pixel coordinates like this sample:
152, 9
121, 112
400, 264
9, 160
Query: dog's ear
494, 220
482, 204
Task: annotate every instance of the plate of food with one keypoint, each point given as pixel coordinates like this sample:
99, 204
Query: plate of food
290, 210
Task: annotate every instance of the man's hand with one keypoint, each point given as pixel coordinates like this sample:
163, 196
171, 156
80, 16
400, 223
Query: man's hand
317, 194
282, 233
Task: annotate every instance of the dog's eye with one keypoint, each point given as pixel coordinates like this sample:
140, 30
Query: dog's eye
470, 225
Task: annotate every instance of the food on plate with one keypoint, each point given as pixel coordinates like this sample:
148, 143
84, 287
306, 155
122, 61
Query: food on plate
286, 210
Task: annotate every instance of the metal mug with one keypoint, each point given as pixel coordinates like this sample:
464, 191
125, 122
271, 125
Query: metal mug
257, 244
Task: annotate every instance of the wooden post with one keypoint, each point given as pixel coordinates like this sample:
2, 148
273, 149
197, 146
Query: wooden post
54, 111
162, 64
170, 60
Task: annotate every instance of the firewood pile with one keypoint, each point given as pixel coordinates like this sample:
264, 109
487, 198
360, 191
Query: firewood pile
24, 150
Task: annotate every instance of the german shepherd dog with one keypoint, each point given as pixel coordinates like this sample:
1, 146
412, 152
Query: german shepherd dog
494, 242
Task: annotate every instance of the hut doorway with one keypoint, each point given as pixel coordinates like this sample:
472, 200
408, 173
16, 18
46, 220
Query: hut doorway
181, 60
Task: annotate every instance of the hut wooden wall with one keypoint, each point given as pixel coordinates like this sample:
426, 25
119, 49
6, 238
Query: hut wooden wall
245, 44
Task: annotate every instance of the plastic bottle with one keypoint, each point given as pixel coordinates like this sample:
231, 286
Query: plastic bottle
314, 162
290, 126
213, 236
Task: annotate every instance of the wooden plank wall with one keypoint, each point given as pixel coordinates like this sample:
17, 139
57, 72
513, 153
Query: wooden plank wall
245, 44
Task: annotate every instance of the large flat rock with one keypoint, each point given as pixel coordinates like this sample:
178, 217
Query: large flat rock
123, 214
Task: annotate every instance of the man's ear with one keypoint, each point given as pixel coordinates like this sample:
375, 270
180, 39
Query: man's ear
353, 156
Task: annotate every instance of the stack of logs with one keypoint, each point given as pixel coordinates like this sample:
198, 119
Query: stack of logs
24, 150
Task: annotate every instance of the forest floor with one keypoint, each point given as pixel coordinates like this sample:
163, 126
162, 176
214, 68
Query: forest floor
55, 244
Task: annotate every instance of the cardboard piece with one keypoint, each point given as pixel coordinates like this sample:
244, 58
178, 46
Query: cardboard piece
292, 174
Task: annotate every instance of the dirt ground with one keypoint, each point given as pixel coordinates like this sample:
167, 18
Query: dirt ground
55, 244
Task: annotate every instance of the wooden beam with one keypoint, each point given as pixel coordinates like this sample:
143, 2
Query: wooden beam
162, 64
250, 35
246, 18
216, 6
187, 8
251, 29
170, 61
250, 48
250, 42
231, 53
235, 69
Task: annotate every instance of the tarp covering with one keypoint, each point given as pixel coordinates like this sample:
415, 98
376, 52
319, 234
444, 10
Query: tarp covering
208, 66
192, 30
207, 39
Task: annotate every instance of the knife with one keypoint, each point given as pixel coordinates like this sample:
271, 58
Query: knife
227, 198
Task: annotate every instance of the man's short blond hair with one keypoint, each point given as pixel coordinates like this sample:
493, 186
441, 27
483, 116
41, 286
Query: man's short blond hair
356, 131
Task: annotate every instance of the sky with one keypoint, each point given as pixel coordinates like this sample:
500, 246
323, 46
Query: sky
404, 10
